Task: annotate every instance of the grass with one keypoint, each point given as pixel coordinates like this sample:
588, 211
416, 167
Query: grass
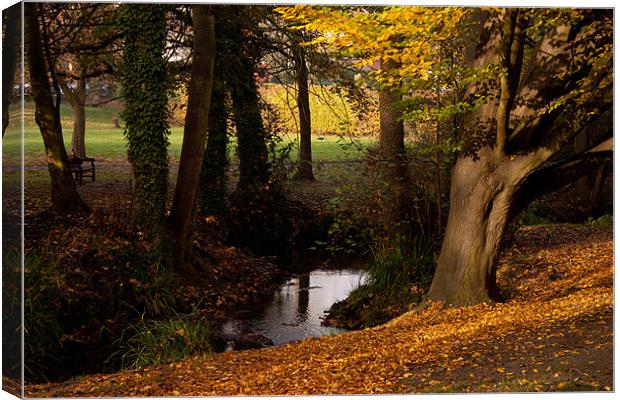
104, 141
160, 342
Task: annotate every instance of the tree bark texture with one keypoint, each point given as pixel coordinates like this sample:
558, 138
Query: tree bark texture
213, 177
196, 123
304, 172
392, 158
512, 137
480, 200
65, 197
10, 49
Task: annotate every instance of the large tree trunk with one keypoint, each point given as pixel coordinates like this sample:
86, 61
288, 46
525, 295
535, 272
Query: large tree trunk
10, 48
304, 172
65, 197
195, 130
511, 138
480, 204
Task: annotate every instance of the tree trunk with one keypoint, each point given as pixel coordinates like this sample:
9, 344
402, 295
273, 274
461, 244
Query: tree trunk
195, 130
146, 87
65, 197
392, 158
304, 172
213, 178
77, 99
480, 201
10, 48
79, 119
511, 138
251, 136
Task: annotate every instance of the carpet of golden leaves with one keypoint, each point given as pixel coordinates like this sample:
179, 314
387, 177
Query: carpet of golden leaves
555, 333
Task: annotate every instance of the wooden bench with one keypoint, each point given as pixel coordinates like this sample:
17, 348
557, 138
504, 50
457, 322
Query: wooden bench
81, 169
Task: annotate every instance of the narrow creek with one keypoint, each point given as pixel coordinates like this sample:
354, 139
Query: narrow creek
297, 308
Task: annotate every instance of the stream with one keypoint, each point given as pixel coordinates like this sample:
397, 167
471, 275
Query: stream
297, 308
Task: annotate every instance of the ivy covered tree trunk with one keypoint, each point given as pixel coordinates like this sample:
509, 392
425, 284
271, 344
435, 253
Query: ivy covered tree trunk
146, 89
10, 46
65, 197
213, 178
304, 172
195, 131
251, 135
511, 138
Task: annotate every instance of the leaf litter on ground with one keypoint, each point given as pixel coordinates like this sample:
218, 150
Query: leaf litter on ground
553, 334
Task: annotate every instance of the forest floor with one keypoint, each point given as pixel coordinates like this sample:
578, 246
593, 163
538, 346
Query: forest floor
555, 333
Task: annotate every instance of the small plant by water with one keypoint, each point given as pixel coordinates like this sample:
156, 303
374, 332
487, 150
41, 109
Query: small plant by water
397, 278
158, 342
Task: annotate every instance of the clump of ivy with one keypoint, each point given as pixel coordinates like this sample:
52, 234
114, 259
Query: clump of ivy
147, 88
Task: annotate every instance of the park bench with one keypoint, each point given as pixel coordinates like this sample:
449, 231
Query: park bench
80, 168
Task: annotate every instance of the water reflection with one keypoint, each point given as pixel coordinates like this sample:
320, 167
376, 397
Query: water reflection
297, 308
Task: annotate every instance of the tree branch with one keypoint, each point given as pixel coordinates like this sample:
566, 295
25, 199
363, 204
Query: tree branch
557, 175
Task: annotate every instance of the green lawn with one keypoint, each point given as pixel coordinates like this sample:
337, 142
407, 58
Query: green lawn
110, 144
105, 141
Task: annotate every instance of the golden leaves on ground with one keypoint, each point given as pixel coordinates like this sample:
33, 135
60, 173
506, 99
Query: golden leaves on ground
554, 334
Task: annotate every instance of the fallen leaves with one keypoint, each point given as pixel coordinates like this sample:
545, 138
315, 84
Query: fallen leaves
545, 338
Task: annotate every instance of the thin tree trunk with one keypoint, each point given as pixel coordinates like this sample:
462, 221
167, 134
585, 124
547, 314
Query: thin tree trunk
77, 100
213, 178
195, 130
10, 47
392, 157
65, 197
79, 120
304, 172
438, 187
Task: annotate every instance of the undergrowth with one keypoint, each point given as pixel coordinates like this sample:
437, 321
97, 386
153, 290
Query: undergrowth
603, 223
152, 342
396, 279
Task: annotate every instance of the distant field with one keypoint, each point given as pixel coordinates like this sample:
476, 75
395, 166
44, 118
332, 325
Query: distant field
105, 141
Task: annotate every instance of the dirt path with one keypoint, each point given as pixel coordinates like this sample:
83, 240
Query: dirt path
554, 334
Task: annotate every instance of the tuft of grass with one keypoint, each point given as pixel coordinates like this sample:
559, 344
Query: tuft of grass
397, 279
161, 342
43, 282
400, 264
150, 285
604, 223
